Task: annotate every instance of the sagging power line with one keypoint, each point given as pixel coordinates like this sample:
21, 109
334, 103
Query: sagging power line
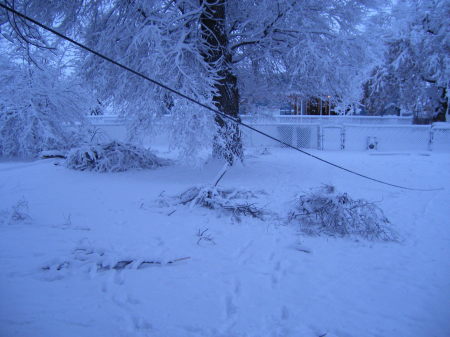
211, 109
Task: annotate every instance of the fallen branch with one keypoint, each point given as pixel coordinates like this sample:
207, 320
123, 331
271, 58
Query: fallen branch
324, 211
86, 257
232, 201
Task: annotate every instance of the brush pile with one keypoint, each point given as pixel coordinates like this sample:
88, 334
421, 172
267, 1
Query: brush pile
325, 212
234, 202
112, 157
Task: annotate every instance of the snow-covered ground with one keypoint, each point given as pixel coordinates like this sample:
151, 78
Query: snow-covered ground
248, 278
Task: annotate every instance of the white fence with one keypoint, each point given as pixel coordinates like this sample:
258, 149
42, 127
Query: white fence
355, 137
287, 119
327, 120
329, 136
106, 120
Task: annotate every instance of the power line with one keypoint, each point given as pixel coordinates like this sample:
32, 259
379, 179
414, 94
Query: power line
216, 111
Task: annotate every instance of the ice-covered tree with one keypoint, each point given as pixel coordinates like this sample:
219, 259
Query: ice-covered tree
42, 103
216, 51
40, 109
416, 72
308, 48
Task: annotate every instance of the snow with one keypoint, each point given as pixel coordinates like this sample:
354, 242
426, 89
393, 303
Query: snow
253, 278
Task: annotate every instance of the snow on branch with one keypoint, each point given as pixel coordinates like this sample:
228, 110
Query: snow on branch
39, 110
325, 212
112, 157
87, 258
235, 202
321, 211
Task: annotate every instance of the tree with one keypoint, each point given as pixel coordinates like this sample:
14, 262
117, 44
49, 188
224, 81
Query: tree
40, 109
416, 71
217, 52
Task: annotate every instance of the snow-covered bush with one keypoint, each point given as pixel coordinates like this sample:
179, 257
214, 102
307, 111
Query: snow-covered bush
234, 202
112, 157
39, 110
324, 211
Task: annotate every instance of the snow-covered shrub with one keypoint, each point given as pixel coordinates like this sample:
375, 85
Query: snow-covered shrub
324, 211
17, 214
39, 110
112, 157
234, 202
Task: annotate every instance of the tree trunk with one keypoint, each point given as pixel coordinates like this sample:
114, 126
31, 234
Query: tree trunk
442, 109
227, 141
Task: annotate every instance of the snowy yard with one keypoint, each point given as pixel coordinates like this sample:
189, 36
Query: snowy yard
282, 245
250, 278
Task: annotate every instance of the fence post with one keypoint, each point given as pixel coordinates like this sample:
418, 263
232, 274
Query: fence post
430, 138
320, 138
343, 137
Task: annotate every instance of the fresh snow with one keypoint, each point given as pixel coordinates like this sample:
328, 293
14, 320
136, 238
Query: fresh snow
250, 278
